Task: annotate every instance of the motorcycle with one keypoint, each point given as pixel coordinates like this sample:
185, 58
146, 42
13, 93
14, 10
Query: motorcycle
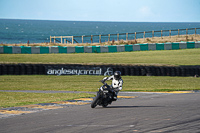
104, 96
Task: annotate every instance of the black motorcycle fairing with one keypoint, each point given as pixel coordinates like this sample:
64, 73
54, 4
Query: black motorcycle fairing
104, 96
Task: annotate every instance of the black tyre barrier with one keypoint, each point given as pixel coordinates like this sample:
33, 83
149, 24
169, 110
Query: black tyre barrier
78, 69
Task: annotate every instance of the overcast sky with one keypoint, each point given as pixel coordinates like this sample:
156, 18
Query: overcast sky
103, 10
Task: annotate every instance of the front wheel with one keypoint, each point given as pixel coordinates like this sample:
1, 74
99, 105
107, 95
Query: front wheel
95, 101
105, 105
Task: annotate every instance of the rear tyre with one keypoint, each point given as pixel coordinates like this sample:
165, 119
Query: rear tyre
95, 101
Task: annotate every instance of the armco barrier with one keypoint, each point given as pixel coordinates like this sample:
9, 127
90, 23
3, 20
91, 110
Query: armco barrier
88, 49
44, 50
175, 46
168, 46
62, 49
112, 48
1, 50
136, 47
79, 49
25, 50
160, 46
70, 49
128, 48
197, 44
152, 46
54, 49
97, 49
120, 48
144, 47
16, 50
78, 69
35, 50
104, 49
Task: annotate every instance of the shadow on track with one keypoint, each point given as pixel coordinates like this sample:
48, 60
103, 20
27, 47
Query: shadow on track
134, 106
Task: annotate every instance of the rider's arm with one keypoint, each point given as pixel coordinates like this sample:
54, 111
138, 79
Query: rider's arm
120, 85
108, 78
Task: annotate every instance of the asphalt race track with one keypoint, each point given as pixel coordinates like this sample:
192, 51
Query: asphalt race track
147, 113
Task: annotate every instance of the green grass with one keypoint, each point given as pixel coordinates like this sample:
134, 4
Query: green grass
90, 83
164, 57
81, 83
11, 99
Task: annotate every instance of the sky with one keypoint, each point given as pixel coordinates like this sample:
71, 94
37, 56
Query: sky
102, 10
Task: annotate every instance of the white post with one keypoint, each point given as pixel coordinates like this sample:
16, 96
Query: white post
135, 35
99, 38
82, 39
126, 36
61, 40
152, 34
108, 37
91, 39
72, 39
178, 32
117, 36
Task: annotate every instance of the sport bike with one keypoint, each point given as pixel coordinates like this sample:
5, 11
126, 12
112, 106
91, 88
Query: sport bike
104, 96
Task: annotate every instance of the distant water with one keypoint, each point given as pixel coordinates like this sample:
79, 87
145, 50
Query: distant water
38, 31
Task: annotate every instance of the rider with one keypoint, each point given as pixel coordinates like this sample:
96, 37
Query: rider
117, 82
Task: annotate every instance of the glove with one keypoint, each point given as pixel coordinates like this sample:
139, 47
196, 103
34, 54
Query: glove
102, 81
115, 90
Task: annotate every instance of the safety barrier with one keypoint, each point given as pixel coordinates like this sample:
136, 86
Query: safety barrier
97, 49
78, 69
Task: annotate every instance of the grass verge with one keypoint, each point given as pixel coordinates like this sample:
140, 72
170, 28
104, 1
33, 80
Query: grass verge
11, 99
163, 57
90, 83
81, 83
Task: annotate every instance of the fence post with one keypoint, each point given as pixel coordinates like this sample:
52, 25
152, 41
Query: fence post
126, 36
144, 35
195, 31
64, 41
117, 36
99, 38
54, 39
61, 39
186, 31
108, 37
135, 35
91, 39
82, 39
72, 39
50, 39
161, 33
170, 33
152, 33
178, 32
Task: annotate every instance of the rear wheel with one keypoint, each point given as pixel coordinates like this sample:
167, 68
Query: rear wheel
95, 101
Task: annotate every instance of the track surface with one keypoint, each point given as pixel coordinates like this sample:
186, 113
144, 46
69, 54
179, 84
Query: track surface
149, 112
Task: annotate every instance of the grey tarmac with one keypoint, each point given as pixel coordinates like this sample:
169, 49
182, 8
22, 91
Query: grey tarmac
147, 113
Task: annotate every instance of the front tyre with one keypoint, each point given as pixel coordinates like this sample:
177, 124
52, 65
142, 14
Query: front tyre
105, 105
95, 101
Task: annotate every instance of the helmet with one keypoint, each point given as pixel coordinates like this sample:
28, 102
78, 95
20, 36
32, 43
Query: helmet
117, 75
